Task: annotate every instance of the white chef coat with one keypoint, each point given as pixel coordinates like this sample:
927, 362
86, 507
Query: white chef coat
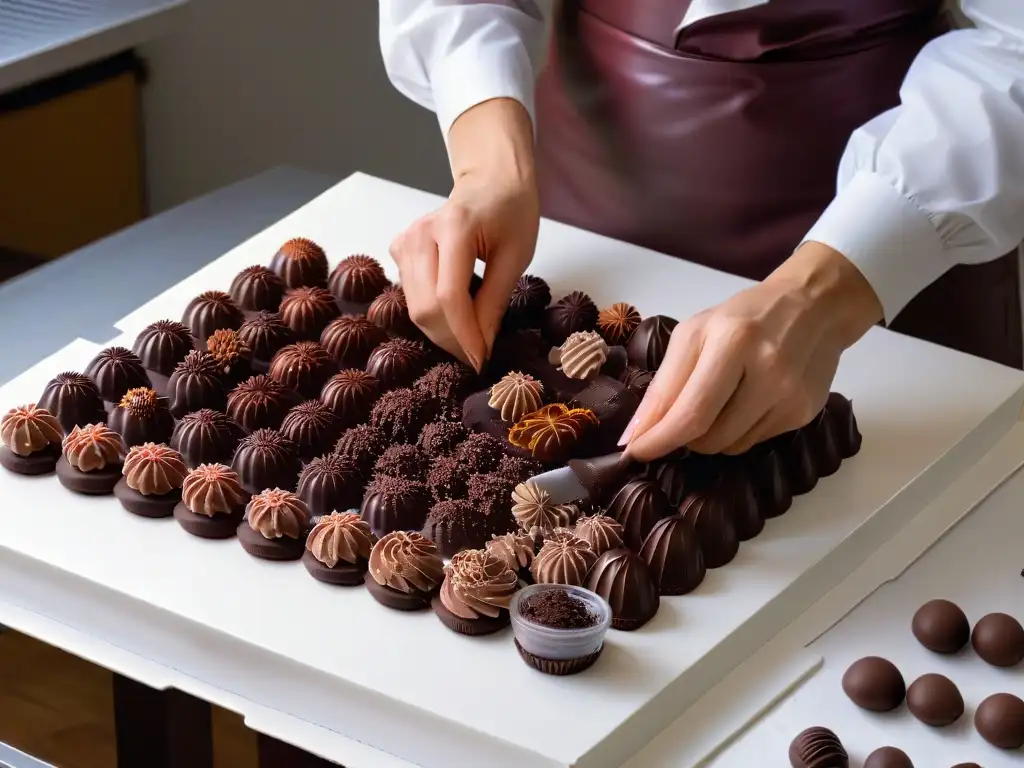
934, 182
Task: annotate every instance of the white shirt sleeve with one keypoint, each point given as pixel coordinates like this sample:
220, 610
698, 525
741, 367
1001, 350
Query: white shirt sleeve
450, 55
939, 180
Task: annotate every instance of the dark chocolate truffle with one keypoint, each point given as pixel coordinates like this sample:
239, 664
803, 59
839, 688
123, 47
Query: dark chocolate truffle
307, 311
397, 363
206, 437
999, 640
162, 345
454, 525
818, 748
395, 504
259, 402
441, 438
530, 297
350, 339
844, 423
935, 700
303, 366
114, 371
400, 414
824, 440
480, 453
637, 380
492, 495
142, 417
448, 478
196, 383
601, 476
449, 384
941, 626
733, 485
350, 394
403, 460
520, 469
330, 483
771, 486
512, 351
358, 279
257, 289
570, 314
637, 506
266, 459
614, 405
390, 312
618, 323
711, 517
300, 262
73, 400
265, 333
623, 579
363, 444
999, 720
796, 451
647, 346
313, 427
888, 757
874, 684
673, 555
232, 355
209, 311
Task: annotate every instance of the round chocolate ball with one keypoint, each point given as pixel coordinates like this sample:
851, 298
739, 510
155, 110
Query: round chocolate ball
874, 684
999, 640
966, 765
941, 626
999, 720
888, 757
935, 700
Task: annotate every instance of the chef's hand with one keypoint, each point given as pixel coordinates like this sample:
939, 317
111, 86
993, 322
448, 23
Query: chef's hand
759, 364
492, 214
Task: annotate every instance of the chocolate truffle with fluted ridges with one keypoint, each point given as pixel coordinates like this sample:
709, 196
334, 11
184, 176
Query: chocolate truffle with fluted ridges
732, 484
844, 422
618, 322
257, 289
799, 463
206, 437
637, 380
536, 513
212, 502
265, 333
350, 339
601, 532
552, 433
350, 394
449, 384
400, 414
441, 438
448, 478
818, 748
623, 579
363, 444
647, 346
330, 483
358, 279
307, 311
275, 526
771, 487
403, 460
563, 559
338, 549
823, 437
390, 312
480, 452
676, 475
637, 506
73, 400
300, 262
711, 518
397, 363
162, 345
304, 367
515, 395
232, 355
454, 525
259, 402
530, 297
313, 427
196, 383
142, 417
673, 555
267, 459
114, 371
572, 313
395, 504
209, 311
30, 440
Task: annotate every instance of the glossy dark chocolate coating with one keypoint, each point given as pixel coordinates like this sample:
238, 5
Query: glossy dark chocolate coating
888, 757
267, 459
73, 400
673, 555
395, 504
114, 371
330, 483
941, 627
935, 700
818, 748
397, 363
256, 289
570, 314
874, 684
998, 639
313, 427
210, 311
136, 429
265, 334
710, 516
206, 437
637, 506
162, 345
529, 299
646, 348
999, 720
622, 578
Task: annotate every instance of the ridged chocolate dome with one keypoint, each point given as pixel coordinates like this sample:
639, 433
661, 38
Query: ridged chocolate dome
196, 383
395, 504
844, 424
710, 515
397, 363
526, 305
623, 579
350, 394
647, 346
733, 485
798, 460
257, 289
73, 400
637, 506
363, 444
307, 311
206, 437
824, 439
771, 486
673, 555
390, 311
266, 459
350, 339
330, 483
141, 417
637, 380
265, 333
114, 371
358, 278
162, 345
680, 473
303, 366
209, 311
300, 262
570, 314
818, 748
313, 427
259, 402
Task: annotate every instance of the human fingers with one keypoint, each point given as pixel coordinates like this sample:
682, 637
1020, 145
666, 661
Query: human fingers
743, 410
457, 252
502, 270
757, 433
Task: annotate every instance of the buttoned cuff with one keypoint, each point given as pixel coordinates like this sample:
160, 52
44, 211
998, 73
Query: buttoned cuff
886, 236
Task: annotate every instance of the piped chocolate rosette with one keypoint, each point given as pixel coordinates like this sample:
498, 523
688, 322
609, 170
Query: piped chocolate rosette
565, 558
152, 478
405, 571
275, 526
212, 502
516, 549
580, 356
601, 532
474, 598
338, 549
515, 395
30, 440
92, 460
536, 514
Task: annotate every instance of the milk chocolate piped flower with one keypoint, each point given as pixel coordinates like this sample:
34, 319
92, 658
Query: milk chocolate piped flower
212, 489
581, 355
340, 537
516, 395
407, 562
516, 549
564, 559
536, 514
153, 469
28, 429
93, 447
478, 583
618, 322
275, 514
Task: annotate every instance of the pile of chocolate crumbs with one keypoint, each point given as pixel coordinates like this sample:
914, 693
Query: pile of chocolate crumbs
557, 608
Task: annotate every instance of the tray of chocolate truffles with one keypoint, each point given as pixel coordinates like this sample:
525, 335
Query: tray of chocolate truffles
302, 412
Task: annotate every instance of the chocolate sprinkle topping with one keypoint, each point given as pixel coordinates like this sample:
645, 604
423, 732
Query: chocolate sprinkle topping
557, 608
448, 478
441, 438
402, 460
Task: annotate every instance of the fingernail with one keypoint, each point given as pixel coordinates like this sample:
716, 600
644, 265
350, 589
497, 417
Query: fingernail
474, 362
628, 434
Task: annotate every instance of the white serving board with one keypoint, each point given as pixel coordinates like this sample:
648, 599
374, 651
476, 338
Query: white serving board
404, 684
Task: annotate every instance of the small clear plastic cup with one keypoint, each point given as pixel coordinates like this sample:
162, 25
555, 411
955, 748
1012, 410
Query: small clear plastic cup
554, 643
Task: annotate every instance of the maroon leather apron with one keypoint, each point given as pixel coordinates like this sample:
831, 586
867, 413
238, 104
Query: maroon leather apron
736, 129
